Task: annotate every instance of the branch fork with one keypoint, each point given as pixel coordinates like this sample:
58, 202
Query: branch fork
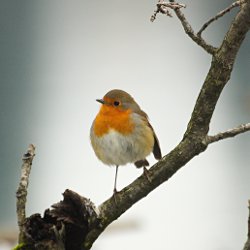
220, 14
163, 8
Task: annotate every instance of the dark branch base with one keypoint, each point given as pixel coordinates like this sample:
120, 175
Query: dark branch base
65, 226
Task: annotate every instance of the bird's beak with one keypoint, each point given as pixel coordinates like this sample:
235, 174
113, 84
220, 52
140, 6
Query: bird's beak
100, 100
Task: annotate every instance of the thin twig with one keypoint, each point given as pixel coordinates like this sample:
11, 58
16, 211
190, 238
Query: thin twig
220, 14
190, 32
162, 7
228, 134
21, 193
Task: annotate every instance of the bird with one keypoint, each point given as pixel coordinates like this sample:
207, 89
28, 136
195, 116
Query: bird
121, 133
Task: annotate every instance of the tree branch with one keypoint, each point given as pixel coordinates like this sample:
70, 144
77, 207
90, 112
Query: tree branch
219, 73
162, 8
247, 245
198, 127
190, 32
220, 14
159, 173
227, 134
21, 193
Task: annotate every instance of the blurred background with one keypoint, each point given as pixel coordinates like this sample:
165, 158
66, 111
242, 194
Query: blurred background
58, 56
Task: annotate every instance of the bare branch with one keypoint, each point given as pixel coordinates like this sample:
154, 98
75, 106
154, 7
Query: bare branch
190, 32
193, 141
227, 134
220, 14
219, 73
162, 7
21, 193
247, 245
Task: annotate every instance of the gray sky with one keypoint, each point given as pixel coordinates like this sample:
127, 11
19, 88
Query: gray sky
57, 57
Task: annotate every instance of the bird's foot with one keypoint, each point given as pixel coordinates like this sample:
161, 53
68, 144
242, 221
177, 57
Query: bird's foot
115, 192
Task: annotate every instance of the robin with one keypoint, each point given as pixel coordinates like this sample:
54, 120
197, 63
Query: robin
121, 132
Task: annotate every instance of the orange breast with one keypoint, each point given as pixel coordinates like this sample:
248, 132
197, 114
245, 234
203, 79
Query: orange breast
113, 118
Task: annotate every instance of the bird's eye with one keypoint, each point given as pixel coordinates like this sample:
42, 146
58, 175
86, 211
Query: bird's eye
116, 103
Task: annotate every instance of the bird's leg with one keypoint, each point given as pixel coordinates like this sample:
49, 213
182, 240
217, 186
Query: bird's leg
115, 190
146, 173
116, 172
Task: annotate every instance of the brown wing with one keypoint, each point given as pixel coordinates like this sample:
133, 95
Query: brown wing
156, 148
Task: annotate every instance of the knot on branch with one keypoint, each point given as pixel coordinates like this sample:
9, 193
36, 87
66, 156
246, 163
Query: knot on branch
66, 224
163, 8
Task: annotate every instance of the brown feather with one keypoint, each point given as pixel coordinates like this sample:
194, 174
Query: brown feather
125, 98
157, 149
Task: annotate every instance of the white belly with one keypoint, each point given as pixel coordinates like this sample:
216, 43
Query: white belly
114, 148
